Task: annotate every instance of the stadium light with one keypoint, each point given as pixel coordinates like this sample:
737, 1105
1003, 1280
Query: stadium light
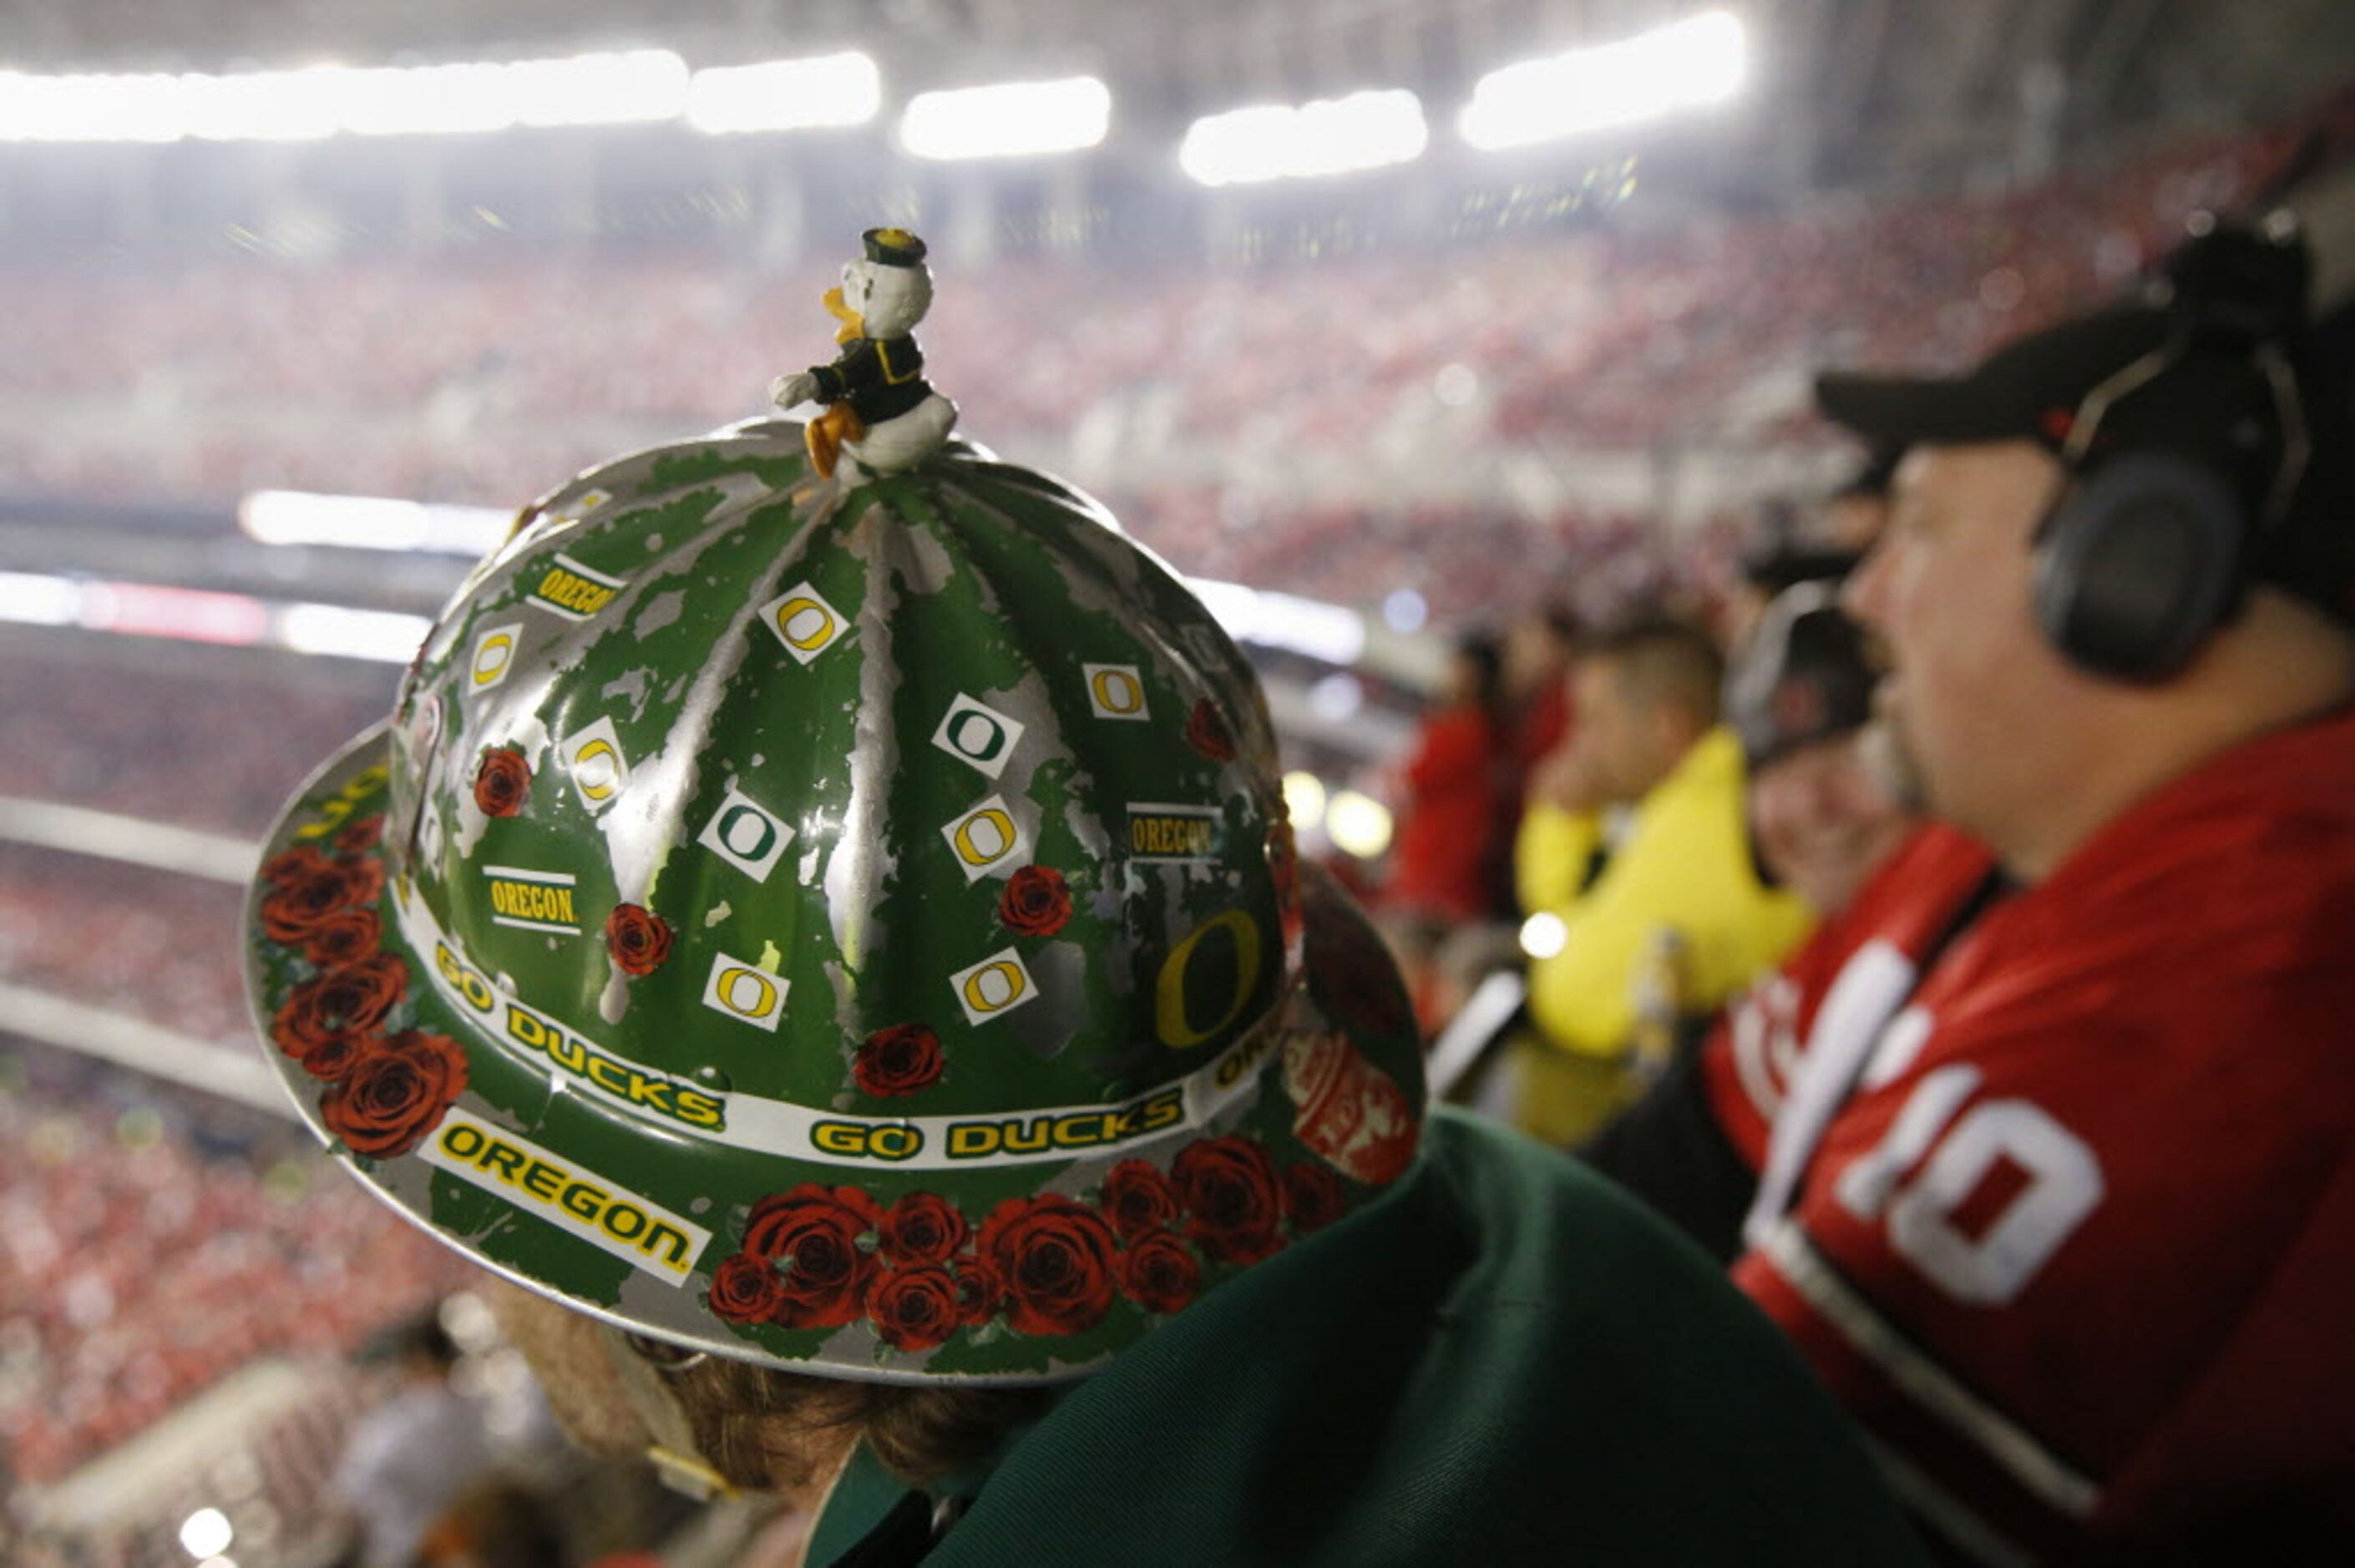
1688, 64
268, 106
785, 95
1013, 119
371, 523
598, 90
316, 103
91, 108
1324, 136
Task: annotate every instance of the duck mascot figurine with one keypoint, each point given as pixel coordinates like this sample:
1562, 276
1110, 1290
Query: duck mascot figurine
881, 415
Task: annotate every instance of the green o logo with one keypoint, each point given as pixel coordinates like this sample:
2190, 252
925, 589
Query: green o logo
733, 835
977, 735
1171, 1021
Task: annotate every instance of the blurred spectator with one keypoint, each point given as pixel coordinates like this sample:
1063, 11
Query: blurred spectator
413, 1455
1445, 862
1826, 821
1800, 699
1674, 889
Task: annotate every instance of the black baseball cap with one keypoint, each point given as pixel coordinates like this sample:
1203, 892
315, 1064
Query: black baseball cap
1803, 676
2207, 395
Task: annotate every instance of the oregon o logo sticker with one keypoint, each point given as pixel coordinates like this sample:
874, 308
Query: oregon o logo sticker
803, 621
987, 839
1115, 691
745, 993
746, 835
977, 733
1172, 1015
593, 758
495, 653
598, 768
998, 984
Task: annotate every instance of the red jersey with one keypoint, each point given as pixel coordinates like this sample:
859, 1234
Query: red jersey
2067, 1218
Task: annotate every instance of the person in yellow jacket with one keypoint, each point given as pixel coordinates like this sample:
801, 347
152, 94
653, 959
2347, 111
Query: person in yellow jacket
1636, 846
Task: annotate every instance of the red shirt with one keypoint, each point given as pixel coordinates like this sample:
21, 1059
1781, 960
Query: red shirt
2068, 1223
1448, 823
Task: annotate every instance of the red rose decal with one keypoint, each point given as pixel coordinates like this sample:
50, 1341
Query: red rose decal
325, 1017
980, 1293
297, 909
1313, 1197
900, 1060
1206, 732
812, 1234
638, 938
395, 1093
745, 1290
915, 1308
1228, 1187
363, 882
1158, 1274
1137, 1200
1054, 1258
363, 835
503, 782
1036, 903
923, 1227
343, 938
297, 864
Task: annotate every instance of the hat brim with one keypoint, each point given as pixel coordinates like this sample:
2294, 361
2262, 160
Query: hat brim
474, 1137
1909, 412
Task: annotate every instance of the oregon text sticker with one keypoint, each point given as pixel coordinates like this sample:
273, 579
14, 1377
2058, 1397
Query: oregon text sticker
533, 900
572, 590
567, 1195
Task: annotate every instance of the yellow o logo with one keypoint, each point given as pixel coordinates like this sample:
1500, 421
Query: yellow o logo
487, 670
817, 626
1001, 829
1117, 692
1169, 1021
764, 992
594, 768
1010, 982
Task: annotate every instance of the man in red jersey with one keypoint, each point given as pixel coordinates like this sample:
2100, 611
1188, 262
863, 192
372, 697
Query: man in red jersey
2052, 1129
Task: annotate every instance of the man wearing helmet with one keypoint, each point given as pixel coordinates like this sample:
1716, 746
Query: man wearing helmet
841, 952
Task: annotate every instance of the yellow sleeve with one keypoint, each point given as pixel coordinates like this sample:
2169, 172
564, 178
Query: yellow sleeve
1685, 865
1550, 855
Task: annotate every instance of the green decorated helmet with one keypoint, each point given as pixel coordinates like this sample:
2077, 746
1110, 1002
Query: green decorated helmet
850, 928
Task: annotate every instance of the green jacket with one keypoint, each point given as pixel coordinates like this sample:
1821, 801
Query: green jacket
1505, 1361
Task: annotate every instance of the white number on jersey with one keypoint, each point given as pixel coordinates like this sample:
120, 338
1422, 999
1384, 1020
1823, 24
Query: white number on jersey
2063, 1186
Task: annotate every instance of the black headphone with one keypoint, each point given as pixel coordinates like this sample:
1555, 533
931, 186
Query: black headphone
2146, 553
